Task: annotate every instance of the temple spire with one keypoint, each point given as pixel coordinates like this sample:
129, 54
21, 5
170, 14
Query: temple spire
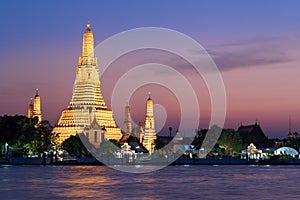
127, 120
30, 109
37, 106
88, 24
88, 42
150, 132
34, 108
87, 104
290, 125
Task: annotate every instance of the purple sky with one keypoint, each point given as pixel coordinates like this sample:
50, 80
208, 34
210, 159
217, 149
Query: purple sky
256, 46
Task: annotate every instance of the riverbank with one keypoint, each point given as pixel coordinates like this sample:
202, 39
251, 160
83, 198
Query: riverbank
180, 161
231, 161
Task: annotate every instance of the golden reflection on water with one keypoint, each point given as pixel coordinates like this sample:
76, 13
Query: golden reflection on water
86, 182
101, 182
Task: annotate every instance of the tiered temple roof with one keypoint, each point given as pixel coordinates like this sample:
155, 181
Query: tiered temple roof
87, 97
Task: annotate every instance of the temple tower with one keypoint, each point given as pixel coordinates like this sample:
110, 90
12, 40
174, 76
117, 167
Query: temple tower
290, 134
150, 132
34, 108
127, 120
87, 97
30, 109
37, 106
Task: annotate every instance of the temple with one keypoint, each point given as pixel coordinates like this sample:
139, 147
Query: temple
144, 136
87, 109
34, 108
127, 121
254, 134
149, 136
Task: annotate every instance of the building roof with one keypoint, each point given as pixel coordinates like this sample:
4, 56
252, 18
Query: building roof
134, 143
286, 151
254, 134
247, 129
94, 126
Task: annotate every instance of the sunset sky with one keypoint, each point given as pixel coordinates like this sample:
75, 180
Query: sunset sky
255, 44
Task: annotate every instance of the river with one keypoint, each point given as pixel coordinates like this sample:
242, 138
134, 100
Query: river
172, 182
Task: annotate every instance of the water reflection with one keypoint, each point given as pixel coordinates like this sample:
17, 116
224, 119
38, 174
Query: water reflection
175, 182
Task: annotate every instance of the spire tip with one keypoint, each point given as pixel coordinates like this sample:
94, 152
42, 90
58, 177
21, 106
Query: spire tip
149, 95
88, 24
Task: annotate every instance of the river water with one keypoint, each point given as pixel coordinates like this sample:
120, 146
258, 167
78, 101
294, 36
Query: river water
172, 182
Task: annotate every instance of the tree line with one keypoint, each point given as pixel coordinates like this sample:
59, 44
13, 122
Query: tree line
26, 134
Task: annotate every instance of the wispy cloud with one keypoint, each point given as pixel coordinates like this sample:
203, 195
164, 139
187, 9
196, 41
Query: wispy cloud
251, 52
248, 52
255, 40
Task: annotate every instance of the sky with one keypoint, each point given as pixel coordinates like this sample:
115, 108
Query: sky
255, 45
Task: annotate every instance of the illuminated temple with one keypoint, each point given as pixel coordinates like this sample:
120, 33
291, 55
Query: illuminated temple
146, 134
150, 133
87, 105
34, 108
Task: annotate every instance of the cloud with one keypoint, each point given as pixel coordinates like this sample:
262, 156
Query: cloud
255, 40
252, 52
248, 52
227, 60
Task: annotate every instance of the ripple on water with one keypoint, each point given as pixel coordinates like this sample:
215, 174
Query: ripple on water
173, 182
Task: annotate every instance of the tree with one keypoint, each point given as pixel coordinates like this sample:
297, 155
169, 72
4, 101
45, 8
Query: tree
108, 147
159, 144
199, 138
231, 141
26, 133
74, 146
45, 139
116, 143
293, 142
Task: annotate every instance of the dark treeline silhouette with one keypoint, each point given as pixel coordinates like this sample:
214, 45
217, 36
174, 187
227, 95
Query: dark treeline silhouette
26, 134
